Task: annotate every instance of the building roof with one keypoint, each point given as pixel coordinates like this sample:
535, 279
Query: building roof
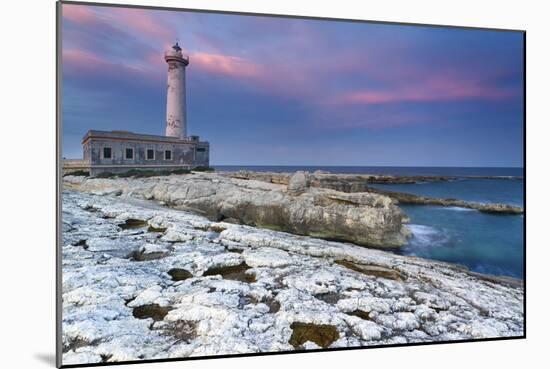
131, 136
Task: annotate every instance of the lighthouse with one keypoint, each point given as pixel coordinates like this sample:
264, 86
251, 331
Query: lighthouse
176, 119
123, 151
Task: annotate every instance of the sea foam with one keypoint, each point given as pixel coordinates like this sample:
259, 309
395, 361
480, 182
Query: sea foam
457, 208
426, 236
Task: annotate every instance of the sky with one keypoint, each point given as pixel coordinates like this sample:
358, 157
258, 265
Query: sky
287, 91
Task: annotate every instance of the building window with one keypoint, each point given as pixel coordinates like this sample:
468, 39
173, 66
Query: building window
167, 154
107, 153
201, 149
129, 153
150, 154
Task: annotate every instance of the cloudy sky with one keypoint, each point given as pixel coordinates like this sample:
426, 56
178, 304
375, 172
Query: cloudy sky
299, 92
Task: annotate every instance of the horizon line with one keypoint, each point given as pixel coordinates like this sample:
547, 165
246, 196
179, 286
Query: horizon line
372, 166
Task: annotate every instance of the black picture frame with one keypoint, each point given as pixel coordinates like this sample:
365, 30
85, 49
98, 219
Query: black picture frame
59, 184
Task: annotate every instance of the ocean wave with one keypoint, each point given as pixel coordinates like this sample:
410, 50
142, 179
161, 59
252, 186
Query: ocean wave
457, 208
426, 236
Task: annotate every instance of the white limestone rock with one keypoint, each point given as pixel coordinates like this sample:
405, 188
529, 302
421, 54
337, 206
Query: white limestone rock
298, 183
296, 280
363, 218
267, 257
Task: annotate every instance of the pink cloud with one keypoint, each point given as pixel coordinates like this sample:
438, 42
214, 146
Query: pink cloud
79, 13
155, 60
144, 23
140, 22
82, 63
232, 66
440, 88
76, 58
156, 28
153, 63
461, 88
217, 64
264, 77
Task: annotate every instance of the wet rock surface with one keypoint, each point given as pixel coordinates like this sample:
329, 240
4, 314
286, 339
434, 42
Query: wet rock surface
306, 293
179, 274
234, 272
153, 311
133, 223
323, 335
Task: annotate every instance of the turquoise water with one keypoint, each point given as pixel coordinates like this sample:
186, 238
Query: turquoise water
485, 243
505, 191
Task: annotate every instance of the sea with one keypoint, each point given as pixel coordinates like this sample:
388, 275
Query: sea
485, 243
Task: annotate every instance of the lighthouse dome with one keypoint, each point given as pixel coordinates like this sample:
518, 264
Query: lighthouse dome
175, 54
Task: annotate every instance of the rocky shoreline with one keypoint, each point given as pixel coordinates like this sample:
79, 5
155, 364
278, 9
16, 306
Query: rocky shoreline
143, 281
407, 198
351, 183
340, 207
364, 218
356, 180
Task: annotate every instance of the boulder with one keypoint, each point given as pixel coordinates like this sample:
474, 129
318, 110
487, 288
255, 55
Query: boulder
298, 183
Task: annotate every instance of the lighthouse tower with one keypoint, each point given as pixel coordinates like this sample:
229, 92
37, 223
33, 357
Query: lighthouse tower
176, 124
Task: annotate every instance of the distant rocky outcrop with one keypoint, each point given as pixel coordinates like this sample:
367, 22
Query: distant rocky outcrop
367, 219
339, 182
352, 183
407, 198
